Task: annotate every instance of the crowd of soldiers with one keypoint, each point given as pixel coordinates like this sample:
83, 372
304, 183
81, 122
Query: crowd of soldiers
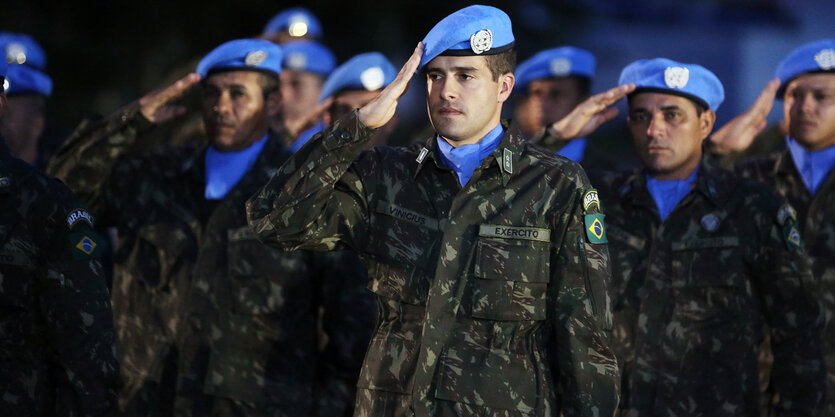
287, 262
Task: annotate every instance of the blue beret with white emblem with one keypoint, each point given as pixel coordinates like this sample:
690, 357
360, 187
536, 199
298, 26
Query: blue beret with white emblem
242, 54
557, 62
297, 21
21, 79
369, 71
18, 48
666, 76
817, 56
308, 56
473, 30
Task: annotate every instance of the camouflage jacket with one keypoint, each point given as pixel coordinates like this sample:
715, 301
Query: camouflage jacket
692, 295
816, 219
491, 300
193, 282
57, 343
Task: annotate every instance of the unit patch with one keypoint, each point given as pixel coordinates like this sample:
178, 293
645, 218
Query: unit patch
85, 245
792, 236
595, 229
591, 199
786, 214
515, 232
78, 215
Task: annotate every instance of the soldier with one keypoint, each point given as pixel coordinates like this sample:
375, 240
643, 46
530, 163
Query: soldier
491, 294
57, 354
803, 172
209, 318
702, 260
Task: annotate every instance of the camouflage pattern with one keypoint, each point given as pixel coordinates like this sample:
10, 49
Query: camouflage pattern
491, 301
693, 294
200, 304
816, 220
57, 343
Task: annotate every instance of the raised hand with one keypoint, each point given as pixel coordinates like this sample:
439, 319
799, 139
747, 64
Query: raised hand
588, 116
156, 106
380, 110
738, 134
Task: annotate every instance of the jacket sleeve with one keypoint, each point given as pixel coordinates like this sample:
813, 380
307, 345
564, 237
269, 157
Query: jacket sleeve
85, 161
317, 200
586, 366
794, 316
75, 305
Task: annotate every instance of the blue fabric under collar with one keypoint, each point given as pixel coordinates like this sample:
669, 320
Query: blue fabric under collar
574, 150
668, 193
225, 169
306, 135
813, 166
466, 158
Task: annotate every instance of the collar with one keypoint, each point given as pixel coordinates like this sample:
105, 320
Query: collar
813, 166
709, 182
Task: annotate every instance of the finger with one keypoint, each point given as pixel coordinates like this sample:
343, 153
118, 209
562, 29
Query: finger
398, 86
180, 86
613, 95
766, 98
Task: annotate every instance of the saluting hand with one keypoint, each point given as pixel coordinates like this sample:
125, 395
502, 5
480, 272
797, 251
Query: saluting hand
589, 115
380, 110
738, 134
156, 106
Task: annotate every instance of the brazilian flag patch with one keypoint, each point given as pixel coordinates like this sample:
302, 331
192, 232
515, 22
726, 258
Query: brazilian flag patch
792, 236
595, 229
86, 245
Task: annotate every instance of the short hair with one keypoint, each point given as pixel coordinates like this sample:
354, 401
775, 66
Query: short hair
268, 82
501, 63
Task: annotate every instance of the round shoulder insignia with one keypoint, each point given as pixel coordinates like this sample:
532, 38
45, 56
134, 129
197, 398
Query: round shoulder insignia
296, 61
255, 58
710, 222
826, 59
15, 53
481, 41
372, 78
560, 67
676, 77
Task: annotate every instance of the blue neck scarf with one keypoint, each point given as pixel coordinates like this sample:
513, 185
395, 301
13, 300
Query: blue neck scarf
574, 149
812, 165
466, 158
225, 169
668, 193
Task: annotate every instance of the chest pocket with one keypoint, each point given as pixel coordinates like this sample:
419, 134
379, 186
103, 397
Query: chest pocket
512, 275
159, 252
17, 271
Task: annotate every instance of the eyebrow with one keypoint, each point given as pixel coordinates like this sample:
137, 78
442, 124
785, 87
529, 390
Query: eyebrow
453, 69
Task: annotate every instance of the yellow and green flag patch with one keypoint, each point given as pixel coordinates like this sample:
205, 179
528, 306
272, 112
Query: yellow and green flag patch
595, 228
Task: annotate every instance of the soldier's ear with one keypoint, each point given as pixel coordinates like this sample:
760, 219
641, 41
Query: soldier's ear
2, 103
706, 121
506, 83
273, 103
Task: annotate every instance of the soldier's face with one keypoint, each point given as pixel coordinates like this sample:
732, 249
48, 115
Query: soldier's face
463, 99
809, 109
667, 132
299, 93
235, 110
547, 101
23, 122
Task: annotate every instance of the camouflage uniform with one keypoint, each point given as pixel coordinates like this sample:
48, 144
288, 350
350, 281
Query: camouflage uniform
57, 354
198, 298
491, 300
816, 220
692, 295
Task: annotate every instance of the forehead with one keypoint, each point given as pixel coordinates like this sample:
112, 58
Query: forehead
814, 80
296, 75
554, 83
449, 63
229, 78
652, 101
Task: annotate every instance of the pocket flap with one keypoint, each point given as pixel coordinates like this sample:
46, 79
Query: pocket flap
512, 260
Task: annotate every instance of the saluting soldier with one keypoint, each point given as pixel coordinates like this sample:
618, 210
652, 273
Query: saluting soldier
491, 292
702, 259
211, 321
57, 343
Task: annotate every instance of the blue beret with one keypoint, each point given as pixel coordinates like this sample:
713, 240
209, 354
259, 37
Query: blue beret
22, 79
22, 49
473, 30
308, 56
556, 62
369, 71
670, 77
297, 21
818, 56
242, 54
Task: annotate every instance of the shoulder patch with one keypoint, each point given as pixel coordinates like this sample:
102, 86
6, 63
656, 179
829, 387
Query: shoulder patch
792, 236
786, 214
85, 246
595, 228
78, 215
591, 199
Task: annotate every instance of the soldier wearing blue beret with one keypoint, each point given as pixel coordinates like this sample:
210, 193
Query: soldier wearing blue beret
211, 321
803, 173
487, 254
704, 262
295, 23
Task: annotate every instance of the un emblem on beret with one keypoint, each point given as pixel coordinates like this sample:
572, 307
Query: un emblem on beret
15, 53
481, 41
826, 59
676, 77
372, 78
560, 67
255, 58
296, 61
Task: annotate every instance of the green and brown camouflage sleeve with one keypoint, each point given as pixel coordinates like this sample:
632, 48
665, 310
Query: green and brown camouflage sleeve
316, 201
586, 365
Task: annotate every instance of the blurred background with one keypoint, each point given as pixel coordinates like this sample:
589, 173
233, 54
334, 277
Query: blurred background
104, 54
